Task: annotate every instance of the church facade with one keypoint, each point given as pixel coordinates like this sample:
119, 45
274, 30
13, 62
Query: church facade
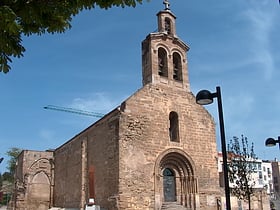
158, 148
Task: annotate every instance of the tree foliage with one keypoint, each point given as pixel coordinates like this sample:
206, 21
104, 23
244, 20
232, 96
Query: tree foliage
27, 17
13, 154
7, 176
241, 167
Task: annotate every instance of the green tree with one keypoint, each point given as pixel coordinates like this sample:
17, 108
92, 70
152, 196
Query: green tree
1, 180
242, 165
6, 187
27, 17
13, 154
7, 176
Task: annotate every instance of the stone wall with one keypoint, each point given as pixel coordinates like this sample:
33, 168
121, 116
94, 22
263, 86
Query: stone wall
33, 181
144, 135
103, 157
87, 166
68, 174
123, 147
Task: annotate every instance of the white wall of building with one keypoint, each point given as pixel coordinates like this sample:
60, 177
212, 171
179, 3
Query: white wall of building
262, 176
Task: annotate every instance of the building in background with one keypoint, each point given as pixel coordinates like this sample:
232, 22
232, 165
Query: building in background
261, 180
268, 177
276, 177
262, 177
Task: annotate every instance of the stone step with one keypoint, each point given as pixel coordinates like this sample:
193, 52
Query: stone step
172, 206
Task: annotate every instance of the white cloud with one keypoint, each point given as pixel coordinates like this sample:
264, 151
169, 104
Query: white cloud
261, 19
46, 135
96, 102
240, 106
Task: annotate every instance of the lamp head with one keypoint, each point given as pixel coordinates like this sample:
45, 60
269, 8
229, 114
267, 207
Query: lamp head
270, 142
204, 97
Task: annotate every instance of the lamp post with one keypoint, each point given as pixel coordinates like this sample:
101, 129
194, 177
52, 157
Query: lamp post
271, 142
205, 97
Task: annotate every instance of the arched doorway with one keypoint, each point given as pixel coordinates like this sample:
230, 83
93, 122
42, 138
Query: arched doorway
39, 192
38, 183
169, 185
175, 179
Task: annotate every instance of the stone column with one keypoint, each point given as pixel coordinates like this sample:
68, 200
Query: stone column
84, 173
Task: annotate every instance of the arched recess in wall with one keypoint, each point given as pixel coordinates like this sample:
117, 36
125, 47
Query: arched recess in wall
45, 163
39, 188
175, 179
177, 67
162, 62
173, 127
167, 25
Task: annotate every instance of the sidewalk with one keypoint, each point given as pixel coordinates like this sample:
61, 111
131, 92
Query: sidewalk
277, 204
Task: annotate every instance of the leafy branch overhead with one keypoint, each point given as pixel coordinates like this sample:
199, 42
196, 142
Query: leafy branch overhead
27, 17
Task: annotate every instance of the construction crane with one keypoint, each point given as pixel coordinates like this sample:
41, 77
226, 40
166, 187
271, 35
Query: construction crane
75, 111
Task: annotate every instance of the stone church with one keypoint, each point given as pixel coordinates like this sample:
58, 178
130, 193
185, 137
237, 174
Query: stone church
157, 150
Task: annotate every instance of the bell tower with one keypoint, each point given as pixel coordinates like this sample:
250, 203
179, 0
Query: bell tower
164, 55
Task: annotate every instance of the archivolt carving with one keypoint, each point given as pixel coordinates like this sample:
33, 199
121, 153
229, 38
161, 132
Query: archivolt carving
176, 160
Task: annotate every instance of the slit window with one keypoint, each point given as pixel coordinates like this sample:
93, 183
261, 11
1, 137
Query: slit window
162, 62
177, 67
173, 127
167, 25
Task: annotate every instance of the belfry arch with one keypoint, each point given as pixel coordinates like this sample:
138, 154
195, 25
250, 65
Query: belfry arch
175, 179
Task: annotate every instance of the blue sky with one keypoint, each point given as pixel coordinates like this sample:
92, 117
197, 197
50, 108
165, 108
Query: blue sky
97, 64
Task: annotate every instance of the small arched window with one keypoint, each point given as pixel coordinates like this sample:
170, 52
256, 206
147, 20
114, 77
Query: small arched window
177, 67
167, 25
173, 127
162, 62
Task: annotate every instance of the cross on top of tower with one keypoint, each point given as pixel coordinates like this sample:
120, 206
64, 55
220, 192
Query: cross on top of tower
167, 4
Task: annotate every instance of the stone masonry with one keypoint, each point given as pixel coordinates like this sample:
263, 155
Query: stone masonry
33, 181
156, 150
126, 152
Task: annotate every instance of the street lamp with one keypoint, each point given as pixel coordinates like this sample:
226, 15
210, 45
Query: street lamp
205, 97
271, 142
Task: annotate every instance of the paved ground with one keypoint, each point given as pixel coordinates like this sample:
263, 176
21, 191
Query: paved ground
3, 207
277, 204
